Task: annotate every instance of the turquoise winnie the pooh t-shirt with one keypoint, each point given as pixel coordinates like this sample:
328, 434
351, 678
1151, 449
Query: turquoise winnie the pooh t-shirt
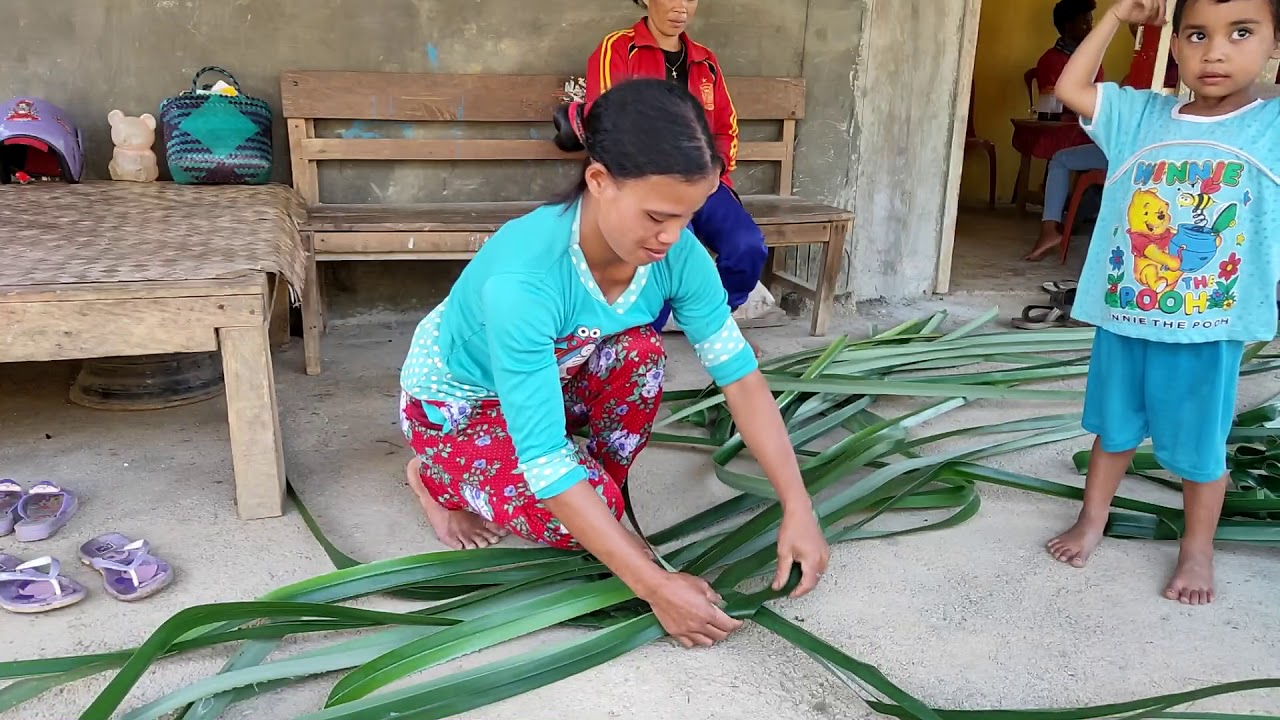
1185, 249
526, 314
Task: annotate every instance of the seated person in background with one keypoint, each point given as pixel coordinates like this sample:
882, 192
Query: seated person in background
1073, 20
658, 47
1081, 158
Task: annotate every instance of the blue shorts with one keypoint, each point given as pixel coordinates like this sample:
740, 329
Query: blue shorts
1182, 396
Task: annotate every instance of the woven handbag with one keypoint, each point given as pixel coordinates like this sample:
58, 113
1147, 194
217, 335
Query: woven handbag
212, 138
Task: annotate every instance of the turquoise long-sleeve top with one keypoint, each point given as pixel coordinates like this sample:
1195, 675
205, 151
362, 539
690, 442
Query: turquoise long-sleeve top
526, 313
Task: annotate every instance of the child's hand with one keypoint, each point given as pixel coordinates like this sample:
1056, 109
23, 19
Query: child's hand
1140, 12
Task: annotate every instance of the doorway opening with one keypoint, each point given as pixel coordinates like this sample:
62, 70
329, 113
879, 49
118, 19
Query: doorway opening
1005, 199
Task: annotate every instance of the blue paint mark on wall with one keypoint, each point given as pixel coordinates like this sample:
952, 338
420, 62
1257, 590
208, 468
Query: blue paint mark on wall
433, 56
358, 131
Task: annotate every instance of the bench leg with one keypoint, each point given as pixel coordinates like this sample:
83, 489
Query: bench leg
824, 297
312, 313
769, 276
257, 453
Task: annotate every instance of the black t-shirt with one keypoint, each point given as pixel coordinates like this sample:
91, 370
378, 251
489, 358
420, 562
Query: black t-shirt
677, 65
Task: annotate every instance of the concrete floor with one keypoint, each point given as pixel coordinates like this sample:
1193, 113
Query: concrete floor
970, 617
990, 245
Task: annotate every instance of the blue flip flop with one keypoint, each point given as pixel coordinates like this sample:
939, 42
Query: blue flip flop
44, 510
24, 589
11, 494
129, 570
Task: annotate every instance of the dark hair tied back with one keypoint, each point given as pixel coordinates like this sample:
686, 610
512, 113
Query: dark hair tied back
640, 128
570, 135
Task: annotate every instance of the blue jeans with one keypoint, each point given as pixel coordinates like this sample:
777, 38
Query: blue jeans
1057, 187
726, 228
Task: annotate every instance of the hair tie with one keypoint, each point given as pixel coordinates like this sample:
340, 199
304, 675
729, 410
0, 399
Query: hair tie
571, 135
578, 111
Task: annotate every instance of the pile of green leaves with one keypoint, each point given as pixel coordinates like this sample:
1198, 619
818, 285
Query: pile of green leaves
858, 464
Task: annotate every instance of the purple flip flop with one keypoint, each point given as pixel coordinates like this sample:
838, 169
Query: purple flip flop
24, 589
10, 495
129, 570
44, 510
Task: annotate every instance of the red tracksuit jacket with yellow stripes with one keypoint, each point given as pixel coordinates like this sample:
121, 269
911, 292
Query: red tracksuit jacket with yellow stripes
634, 53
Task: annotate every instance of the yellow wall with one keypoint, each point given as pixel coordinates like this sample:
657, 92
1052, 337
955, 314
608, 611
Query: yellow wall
1012, 34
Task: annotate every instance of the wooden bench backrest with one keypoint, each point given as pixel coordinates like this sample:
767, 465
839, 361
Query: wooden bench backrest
425, 98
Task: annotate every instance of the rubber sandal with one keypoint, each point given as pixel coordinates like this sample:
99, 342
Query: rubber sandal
1056, 286
25, 590
1044, 317
10, 495
129, 570
44, 510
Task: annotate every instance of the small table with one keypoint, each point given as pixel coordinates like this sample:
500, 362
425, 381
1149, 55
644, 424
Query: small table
1040, 139
88, 320
109, 269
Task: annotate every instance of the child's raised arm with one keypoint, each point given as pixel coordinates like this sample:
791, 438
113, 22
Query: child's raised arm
1075, 87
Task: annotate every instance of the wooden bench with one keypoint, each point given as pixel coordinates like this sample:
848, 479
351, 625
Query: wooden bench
452, 231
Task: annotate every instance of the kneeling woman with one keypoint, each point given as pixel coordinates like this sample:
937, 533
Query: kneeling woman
548, 330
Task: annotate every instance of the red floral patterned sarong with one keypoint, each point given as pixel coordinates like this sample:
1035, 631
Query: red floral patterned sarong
615, 395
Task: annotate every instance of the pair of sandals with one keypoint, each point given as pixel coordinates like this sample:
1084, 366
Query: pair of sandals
1057, 314
129, 570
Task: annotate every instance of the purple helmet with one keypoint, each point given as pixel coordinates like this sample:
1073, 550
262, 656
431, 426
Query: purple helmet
36, 138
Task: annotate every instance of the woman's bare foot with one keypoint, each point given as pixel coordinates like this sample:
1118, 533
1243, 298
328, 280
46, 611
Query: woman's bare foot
458, 529
1192, 581
1074, 546
1050, 240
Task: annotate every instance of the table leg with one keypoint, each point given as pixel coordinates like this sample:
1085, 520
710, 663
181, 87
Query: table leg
312, 312
1022, 183
257, 453
280, 337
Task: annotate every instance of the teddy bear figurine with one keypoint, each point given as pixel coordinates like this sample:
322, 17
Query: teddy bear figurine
133, 159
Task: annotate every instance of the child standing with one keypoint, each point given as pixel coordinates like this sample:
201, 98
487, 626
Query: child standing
1182, 267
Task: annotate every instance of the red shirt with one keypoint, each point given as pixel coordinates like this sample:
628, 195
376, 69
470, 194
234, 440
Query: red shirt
1049, 68
634, 53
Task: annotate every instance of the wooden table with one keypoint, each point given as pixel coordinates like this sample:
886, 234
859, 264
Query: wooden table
1040, 139
74, 322
125, 269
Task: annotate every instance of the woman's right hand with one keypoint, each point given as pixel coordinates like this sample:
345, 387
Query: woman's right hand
686, 606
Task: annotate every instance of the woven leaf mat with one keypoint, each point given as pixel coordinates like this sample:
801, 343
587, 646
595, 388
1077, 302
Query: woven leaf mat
97, 232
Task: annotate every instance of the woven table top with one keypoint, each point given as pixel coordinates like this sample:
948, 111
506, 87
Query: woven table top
109, 232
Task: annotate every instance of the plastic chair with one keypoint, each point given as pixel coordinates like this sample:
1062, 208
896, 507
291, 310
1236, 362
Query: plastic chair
1084, 181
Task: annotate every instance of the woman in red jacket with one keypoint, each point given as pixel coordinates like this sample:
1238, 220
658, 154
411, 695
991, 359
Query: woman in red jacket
658, 47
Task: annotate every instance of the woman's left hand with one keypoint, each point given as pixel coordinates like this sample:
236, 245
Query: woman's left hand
801, 540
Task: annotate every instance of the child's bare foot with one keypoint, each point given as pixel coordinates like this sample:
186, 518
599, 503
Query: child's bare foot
457, 529
1074, 546
1192, 581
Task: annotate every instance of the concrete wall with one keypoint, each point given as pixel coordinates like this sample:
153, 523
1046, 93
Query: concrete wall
131, 54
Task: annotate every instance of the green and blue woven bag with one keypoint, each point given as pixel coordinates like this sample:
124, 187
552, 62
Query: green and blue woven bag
211, 138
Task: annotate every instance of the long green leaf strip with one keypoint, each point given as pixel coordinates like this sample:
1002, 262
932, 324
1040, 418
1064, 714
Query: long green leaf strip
865, 465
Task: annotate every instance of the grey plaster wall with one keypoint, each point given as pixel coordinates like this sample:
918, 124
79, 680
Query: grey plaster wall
95, 55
